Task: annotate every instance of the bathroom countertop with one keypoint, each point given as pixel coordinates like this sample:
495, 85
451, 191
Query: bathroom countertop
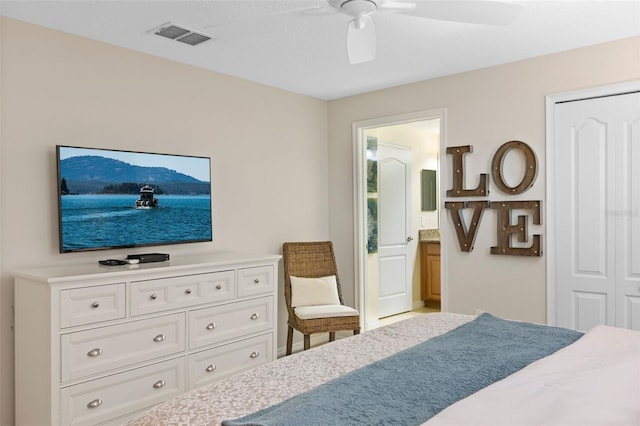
429, 236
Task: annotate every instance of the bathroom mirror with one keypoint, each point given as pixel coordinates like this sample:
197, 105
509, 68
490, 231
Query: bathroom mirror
428, 183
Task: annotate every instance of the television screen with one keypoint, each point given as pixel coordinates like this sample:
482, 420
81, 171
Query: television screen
115, 199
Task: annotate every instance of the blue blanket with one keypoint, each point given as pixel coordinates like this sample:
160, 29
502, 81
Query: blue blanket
413, 385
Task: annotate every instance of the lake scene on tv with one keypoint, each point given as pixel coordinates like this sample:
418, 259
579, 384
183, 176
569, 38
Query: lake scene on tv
116, 199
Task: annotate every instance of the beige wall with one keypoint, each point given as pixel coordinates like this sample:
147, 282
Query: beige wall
268, 149
485, 109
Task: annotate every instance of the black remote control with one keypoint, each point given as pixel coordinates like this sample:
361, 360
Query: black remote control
113, 262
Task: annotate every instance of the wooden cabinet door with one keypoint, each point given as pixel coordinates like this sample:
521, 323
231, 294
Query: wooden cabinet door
430, 271
433, 277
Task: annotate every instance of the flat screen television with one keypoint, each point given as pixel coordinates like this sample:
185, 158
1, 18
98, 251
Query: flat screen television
110, 199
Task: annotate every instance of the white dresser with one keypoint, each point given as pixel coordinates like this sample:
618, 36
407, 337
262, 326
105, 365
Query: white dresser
95, 344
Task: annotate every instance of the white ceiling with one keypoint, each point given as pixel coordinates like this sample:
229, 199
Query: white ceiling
278, 43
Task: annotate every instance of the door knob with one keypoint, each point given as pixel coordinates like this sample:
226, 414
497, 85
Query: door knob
409, 239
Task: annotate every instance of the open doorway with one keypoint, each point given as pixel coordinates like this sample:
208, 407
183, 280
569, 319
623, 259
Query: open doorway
391, 215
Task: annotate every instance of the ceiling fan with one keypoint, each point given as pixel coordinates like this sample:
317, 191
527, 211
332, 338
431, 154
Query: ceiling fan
361, 36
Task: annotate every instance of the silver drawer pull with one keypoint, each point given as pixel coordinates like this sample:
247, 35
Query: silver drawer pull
159, 338
257, 281
219, 287
159, 384
211, 326
95, 403
188, 291
255, 316
94, 305
254, 354
210, 368
94, 353
153, 297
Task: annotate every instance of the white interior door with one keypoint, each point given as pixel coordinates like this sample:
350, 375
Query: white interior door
394, 229
596, 188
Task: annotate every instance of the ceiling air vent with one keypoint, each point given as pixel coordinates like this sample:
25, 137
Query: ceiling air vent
181, 34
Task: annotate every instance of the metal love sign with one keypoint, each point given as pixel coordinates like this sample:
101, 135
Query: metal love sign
506, 231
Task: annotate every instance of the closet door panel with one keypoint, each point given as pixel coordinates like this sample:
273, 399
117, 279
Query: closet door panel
584, 198
628, 212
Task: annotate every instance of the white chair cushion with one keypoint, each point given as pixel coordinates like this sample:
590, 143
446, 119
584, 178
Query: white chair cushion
324, 311
314, 291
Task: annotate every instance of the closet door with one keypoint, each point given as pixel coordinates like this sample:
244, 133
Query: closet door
596, 181
585, 242
628, 212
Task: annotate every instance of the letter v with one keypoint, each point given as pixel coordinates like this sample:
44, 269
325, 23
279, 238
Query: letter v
466, 237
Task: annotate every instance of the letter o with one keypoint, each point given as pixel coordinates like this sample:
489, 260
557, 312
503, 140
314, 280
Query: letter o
531, 167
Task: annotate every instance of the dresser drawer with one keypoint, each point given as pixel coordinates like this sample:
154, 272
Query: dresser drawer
176, 292
214, 364
100, 400
216, 324
102, 349
252, 281
87, 305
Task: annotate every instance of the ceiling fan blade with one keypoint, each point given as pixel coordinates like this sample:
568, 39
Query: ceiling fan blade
361, 40
319, 10
397, 5
275, 10
488, 12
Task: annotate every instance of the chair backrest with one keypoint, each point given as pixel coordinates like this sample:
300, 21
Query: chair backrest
308, 260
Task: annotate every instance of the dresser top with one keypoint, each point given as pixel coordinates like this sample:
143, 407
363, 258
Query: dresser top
84, 271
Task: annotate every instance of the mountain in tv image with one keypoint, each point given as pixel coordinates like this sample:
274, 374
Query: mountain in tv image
99, 175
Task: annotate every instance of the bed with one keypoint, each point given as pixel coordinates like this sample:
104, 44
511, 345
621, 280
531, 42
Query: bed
435, 369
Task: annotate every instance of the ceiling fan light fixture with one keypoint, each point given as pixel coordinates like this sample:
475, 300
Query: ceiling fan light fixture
357, 8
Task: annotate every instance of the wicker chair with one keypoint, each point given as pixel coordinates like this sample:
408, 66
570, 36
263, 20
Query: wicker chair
315, 260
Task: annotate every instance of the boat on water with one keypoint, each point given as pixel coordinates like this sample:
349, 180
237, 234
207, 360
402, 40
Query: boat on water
146, 200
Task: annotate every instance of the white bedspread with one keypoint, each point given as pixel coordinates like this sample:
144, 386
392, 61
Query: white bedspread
594, 381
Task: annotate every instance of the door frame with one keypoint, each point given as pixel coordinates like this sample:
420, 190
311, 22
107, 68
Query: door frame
360, 198
551, 101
